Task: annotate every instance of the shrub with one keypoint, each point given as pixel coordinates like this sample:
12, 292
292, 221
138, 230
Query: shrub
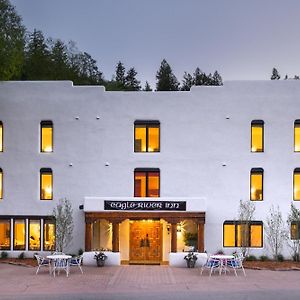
280, 257
80, 251
4, 254
21, 255
251, 258
264, 258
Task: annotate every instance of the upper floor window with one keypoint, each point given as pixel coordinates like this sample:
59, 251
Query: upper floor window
257, 136
296, 191
297, 136
146, 136
46, 184
5, 234
146, 182
46, 136
256, 184
1, 184
242, 234
1, 136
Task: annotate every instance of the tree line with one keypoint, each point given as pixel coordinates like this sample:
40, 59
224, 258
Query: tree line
31, 56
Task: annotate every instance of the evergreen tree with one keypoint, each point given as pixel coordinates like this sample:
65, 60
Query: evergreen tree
120, 74
199, 77
60, 66
12, 41
187, 82
217, 79
147, 87
166, 80
131, 83
275, 75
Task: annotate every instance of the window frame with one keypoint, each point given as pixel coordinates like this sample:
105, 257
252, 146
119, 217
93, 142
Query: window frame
1, 138
14, 233
236, 223
10, 242
296, 171
258, 123
42, 172
46, 124
1, 184
296, 124
44, 223
259, 171
148, 124
28, 235
147, 171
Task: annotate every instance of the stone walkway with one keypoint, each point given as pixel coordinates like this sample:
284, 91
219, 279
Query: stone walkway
140, 282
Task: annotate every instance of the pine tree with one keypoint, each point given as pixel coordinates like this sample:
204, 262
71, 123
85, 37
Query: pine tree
131, 83
275, 75
147, 87
60, 67
120, 74
217, 79
166, 80
187, 82
199, 77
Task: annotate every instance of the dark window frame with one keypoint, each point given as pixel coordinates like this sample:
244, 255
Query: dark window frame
44, 223
46, 124
1, 183
259, 171
2, 139
296, 171
148, 124
14, 234
147, 171
9, 221
236, 223
42, 172
258, 123
296, 124
298, 230
28, 235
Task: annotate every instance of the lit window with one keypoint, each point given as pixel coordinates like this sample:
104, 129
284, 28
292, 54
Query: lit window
239, 234
295, 231
1, 184
1, 136
19, 234
34, 235
257, 136
5, 234
256, 184
46, 136
297, 136
146, 182
297, 184
49, 235
46, 185
146, 136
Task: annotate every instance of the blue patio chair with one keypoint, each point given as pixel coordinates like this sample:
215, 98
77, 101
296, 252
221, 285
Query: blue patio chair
76, 262
236, 264
42, 262
211, 264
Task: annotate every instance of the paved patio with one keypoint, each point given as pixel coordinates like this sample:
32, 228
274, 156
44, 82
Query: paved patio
145, 282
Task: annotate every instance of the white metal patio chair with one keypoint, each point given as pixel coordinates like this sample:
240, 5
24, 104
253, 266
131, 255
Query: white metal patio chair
76, 262
211, 265
61, 264
42, 262
236, 264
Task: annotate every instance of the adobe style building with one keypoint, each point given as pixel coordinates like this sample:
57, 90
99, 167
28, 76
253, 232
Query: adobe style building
147, 173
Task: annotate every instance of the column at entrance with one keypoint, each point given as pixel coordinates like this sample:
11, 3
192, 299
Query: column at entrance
115, 237
200, 237
174, 237
88, 236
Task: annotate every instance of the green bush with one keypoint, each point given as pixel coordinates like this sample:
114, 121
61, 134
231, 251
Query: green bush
264, 258
80, 251
21, 255
190, 239
280, 257
4, 254
251, 258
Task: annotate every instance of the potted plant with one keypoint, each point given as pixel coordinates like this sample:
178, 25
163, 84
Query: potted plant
190, 239
100, 258
191, 258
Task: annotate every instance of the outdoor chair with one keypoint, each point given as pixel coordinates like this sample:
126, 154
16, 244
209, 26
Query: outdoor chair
211, 264
236, 264
76, 262
42, 262
61, 264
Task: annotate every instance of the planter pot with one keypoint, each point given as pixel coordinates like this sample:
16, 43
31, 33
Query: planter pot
191, 263
100, 262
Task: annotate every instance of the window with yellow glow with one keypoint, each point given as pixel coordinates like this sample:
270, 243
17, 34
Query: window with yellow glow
297, 136
297, 184
49, 235
46, 136
257, 136
256, 184
146, 183
5, 234
19, 234
146, 136
1, 184
46, 189
295, 231
239, 234
34, 235
1, 137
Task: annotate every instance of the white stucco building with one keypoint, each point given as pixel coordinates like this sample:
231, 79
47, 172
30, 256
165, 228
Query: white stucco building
142, 169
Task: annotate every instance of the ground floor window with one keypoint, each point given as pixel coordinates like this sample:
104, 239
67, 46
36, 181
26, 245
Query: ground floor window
34, 235
5, 234
19, 234
49, 235
295, 231
241, 234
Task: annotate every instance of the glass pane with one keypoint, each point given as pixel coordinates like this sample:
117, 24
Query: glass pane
46, 186
296, 186
1, 137
19, 235
1, 184
297, 137
4, 234
153, 139
256, 186
256, 236
229, 235
34, 235
140, 138
140, 184
294, 231
47, 145
153, 184
257, 138
242, 235
49, 235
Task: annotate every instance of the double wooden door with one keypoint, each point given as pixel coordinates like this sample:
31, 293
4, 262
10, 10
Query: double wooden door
145, 242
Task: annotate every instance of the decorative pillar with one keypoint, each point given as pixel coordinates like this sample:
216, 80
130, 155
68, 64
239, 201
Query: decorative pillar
200, 237
115, 237
174, 237
88, 236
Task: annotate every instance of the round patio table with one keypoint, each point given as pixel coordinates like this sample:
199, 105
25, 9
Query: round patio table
59, 262
223, 259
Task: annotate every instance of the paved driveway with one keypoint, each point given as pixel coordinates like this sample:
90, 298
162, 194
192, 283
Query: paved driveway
146, 282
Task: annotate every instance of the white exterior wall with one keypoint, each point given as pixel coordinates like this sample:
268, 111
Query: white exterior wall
197, 139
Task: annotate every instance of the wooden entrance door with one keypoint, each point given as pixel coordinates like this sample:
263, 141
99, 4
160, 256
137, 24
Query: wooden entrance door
145, 242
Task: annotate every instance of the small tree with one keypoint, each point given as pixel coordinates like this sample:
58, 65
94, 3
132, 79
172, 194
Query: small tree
63, 214
275, 74
166, 80
293, 221
275, 231
245, 215
147, 87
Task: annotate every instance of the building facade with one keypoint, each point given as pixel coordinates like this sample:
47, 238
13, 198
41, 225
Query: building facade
147, 173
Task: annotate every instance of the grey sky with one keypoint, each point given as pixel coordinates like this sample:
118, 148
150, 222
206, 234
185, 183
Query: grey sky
242, 39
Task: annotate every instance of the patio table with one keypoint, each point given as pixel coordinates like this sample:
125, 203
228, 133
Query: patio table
223, 259
59, 262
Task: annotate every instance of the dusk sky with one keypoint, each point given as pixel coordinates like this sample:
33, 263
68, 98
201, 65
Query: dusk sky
242, 39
